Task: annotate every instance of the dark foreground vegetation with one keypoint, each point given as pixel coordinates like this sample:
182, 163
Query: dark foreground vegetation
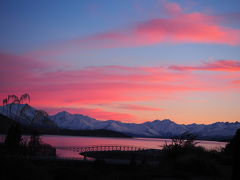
185, 167
15, 145
182, 159
98, 170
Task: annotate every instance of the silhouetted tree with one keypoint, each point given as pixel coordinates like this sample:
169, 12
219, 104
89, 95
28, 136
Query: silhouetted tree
179, 146
14, 137
34, 142
13, 99
183, 141
234, 148
16, 100
5, 102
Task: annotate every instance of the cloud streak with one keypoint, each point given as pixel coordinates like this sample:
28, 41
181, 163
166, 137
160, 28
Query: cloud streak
133, 107
220, 65
118, 87
177, 27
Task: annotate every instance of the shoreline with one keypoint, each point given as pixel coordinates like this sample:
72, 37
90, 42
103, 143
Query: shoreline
118, 137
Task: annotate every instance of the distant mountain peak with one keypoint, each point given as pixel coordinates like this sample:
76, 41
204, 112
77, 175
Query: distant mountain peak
163, 121
156, 128
63, 113
26, 115
167, 121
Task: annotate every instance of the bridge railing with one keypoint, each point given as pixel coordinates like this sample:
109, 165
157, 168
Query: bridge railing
95, 148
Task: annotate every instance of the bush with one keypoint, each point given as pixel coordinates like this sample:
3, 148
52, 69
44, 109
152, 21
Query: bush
184, 158
181, 145
193, 164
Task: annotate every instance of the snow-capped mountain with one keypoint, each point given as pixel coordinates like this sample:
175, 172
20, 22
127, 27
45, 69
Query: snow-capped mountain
27, 115
157, 128
73, 121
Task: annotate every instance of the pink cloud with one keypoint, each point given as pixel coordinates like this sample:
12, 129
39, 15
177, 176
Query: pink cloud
226, 19
177, 27
194, 27
120, 85
172, 8
17, 71
236, 82
219, 65
115, 80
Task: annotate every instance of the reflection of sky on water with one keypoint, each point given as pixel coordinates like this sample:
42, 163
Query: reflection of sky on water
154, 143
73, 141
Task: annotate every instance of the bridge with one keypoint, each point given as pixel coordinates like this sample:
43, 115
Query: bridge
103, 148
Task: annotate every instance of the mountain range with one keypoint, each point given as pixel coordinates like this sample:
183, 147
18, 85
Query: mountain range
157, 128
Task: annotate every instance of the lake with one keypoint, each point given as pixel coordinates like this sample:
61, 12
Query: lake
152, 143
80, 141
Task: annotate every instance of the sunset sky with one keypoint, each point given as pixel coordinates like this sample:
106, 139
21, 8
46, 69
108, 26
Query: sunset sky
129, 60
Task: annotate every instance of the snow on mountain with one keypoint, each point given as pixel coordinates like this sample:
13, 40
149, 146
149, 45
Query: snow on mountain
166, 127
157, 128
13, 111
216, 129
129, 128
27, 115
73, 121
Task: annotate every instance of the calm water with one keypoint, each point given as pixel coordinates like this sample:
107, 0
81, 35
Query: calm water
153, 143
73, 141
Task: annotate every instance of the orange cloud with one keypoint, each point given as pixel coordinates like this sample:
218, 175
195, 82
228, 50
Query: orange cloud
133, 107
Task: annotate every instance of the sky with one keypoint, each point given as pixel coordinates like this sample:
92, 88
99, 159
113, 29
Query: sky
132, 60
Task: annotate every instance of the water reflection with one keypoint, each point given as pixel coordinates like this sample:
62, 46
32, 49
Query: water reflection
74, 141
152, 143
